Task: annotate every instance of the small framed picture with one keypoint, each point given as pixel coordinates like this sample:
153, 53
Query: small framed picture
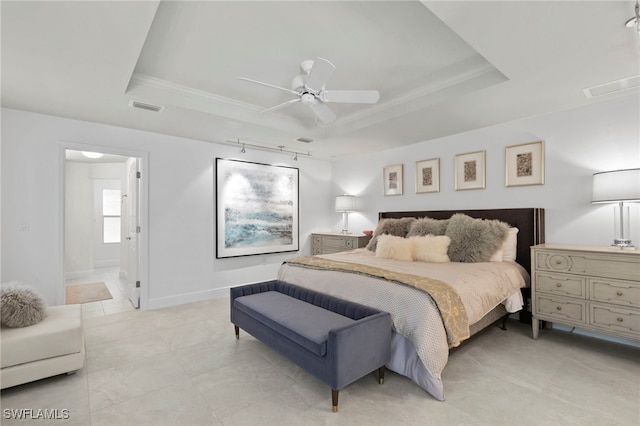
524, 164
392, 179
428, 176
470, 170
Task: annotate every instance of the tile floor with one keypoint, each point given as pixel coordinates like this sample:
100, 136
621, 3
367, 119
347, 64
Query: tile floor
183, 366
111, 278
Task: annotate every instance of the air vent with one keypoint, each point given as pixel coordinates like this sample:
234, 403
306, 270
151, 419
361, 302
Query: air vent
305, 140
148, 107
613, 87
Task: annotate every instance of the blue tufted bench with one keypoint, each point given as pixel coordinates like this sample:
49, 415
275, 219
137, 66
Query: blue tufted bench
335, 340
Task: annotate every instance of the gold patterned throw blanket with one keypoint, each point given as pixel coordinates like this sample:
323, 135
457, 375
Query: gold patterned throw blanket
446, 298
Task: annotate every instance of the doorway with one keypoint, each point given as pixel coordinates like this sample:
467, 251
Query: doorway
102, 228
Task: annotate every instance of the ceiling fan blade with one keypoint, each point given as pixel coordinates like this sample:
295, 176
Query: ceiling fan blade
351, 96
268, 85
273, 108
323, 112
319, 74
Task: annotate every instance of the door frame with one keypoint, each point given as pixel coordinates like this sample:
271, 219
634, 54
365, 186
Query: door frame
143, 199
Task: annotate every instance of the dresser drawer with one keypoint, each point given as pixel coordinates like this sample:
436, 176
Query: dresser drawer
563, 285
561, 308
625, 293
616, 319
592, 264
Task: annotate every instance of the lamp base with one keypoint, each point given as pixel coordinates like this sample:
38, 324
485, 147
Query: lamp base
622, 243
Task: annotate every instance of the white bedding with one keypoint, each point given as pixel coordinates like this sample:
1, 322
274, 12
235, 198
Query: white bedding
416, 320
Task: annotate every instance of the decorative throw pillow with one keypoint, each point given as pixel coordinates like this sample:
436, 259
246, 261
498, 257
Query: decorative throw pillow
20, 305
474, 240
393, 247
396, 227
427, 226
510, 245
431, 248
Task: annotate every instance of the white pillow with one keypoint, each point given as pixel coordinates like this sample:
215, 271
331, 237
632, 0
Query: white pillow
510, 245
498, 255
431, 248
394, 247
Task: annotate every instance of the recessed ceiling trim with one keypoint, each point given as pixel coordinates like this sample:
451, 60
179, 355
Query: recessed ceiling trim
158, 83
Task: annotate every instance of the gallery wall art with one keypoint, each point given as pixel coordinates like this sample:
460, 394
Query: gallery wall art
256, 208
524, 164
470, 170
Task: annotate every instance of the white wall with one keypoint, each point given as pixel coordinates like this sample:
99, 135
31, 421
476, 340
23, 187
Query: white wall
578, 143
182, 264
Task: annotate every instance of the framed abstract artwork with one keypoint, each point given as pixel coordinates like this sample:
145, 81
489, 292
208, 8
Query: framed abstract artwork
524, 164
428, 176
256, 208
392, 179
470, 170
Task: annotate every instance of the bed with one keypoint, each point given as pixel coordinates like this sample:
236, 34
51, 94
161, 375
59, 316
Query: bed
435, 304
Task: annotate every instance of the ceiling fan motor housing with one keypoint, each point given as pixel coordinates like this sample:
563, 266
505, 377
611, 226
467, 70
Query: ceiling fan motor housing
308, 98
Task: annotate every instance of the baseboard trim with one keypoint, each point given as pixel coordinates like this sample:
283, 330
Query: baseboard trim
180, 299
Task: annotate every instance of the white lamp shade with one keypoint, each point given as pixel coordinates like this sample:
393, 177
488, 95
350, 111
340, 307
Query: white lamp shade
616, 186
345, 203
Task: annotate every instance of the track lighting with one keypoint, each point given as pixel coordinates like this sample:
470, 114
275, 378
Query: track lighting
279, 149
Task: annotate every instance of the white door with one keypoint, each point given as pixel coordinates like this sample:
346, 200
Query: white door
133, 230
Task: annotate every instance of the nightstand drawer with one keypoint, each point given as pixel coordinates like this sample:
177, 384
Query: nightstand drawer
338, 243
326, 243
561, 308
625, 293
616, 319
563, 285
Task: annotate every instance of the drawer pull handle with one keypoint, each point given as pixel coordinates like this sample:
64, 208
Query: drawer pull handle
619, 319
559, 308
618, 293
558, 285
558, 262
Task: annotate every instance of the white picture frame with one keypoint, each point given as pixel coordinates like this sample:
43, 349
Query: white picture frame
470, 170
524, 164
428, 176
392, 179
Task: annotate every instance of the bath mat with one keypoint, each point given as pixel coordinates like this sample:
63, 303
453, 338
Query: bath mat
86, 293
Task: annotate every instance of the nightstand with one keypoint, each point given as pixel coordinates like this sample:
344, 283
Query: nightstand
333, 242
593, 288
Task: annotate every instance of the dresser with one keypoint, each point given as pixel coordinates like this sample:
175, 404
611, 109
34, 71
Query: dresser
592, 288
333, 242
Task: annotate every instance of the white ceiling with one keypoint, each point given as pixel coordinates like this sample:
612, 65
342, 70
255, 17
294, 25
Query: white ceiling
441, 67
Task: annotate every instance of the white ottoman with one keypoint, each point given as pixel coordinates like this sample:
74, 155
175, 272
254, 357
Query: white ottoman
51, 347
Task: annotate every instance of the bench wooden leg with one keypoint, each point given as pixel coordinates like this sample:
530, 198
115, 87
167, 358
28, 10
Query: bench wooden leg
334, 400
381, 371
237, 332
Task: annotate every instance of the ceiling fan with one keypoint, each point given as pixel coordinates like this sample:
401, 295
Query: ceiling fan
309, 89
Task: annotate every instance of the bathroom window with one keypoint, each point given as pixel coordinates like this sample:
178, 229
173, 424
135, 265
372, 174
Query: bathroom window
111, 216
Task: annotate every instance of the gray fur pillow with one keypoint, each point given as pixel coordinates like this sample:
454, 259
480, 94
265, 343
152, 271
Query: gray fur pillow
20, 305
397, 227
474, 240
427, 226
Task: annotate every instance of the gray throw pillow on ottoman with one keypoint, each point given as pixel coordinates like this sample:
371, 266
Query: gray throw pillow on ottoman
20, 305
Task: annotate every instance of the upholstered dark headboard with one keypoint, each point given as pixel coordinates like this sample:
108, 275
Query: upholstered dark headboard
529, 221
